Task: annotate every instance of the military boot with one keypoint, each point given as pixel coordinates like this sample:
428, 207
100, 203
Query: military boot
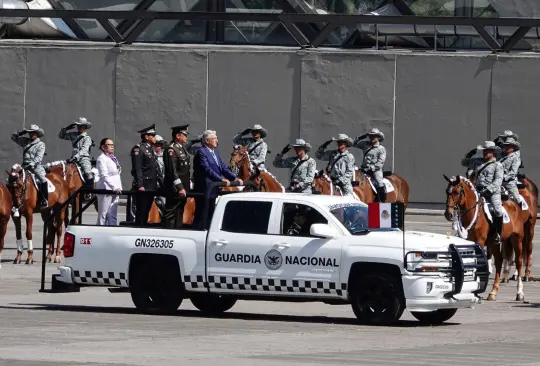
381, 192
498, 223
90, 185
44, 190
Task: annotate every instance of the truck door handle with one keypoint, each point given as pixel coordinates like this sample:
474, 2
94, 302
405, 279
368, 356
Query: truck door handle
283, 245
221, 242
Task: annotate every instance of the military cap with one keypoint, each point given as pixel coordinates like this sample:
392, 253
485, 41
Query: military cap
150, 130
180, 129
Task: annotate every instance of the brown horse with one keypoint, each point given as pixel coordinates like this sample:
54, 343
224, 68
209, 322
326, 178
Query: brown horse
240, 164
364, 190
465, 205
26, 198
532, 201
6, 203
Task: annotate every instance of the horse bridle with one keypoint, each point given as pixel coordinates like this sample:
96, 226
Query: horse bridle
456, 207
14, 185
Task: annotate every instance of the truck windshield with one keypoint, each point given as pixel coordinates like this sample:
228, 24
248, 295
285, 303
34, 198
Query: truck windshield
354, 216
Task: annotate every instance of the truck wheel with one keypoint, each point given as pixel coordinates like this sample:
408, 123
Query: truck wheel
434, 317
212, 304
377, 299
156, 291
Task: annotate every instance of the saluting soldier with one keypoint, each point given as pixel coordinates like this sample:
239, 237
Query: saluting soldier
340, 166
257, 147
489, 178
511, 162
145, 171
303, 167
81, 143
374, 158
501, 138
33, 152
177, 176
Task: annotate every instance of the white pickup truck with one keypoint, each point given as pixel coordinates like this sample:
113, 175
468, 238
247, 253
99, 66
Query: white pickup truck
281, 247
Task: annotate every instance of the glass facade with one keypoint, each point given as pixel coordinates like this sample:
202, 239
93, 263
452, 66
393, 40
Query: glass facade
274, 33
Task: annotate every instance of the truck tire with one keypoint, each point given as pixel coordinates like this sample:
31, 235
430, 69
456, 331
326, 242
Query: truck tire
212, 304
377, 298
434, 317
156, 290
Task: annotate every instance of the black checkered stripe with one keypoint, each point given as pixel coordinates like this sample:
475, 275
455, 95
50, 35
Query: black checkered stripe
265, 285
101, 278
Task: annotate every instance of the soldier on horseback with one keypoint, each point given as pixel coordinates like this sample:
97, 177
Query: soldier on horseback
374, 158
340, 166
511, 162
303, 167
257, 148
82, 143
489, 178
33, 152
501, 138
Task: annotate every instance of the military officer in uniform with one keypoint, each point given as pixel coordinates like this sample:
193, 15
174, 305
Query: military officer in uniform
374, 158
177, 177
81, 143
257, 148
489, 178
340, 166
511, 162
145, 170
33, 152
303, 167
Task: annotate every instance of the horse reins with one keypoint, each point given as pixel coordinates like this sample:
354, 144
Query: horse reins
462, 212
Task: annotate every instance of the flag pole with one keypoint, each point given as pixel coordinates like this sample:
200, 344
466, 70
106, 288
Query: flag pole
403, 229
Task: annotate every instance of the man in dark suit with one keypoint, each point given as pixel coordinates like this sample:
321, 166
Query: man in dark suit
207, 168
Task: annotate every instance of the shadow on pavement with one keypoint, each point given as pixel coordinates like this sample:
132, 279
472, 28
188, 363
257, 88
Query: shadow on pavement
198, 314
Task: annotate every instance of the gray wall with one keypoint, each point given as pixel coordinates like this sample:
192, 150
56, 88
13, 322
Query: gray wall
433, 107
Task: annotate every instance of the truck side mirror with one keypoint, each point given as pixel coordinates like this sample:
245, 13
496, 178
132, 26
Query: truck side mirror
324, 230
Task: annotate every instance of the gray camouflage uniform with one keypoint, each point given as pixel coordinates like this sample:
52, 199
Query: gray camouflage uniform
373, 162
342, 173
511, 163
489, 179
257, 150
81, 150
32, 155
304, 175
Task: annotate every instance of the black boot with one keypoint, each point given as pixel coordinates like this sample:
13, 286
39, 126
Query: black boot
44, 190
90, 185
498, 223
381, 192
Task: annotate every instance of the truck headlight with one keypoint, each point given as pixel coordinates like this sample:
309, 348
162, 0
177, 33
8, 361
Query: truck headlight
428, 262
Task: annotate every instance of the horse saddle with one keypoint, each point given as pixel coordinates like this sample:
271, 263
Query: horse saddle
387, 185
51, 188
94, 172
505, 196
488, 210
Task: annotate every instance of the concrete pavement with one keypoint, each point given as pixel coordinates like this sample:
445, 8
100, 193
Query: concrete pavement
95, 327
